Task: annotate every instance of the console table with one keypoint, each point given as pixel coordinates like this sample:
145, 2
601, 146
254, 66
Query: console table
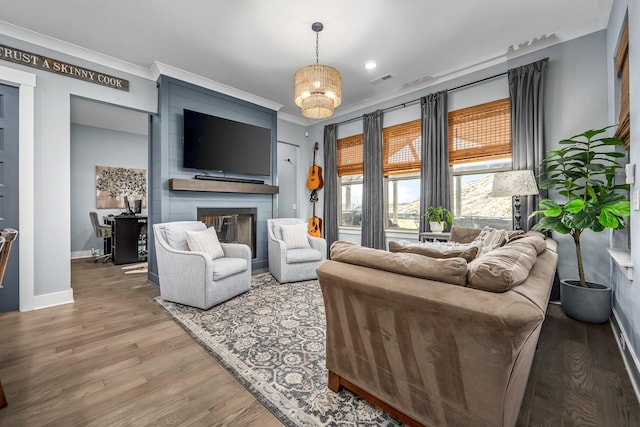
128, 239
433, 236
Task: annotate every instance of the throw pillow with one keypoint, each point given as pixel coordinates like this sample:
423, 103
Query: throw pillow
503, 268
491, 238
435, 250
205, 241
295, 235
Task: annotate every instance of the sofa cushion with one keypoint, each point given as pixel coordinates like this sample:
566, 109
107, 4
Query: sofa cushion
295, 256
502, 268
448, 270
225, 267
436, 249
463, 234
538, 241
295, 235
176, 236
205, 241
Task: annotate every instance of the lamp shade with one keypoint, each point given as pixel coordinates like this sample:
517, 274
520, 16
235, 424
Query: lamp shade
317, 90
514, 183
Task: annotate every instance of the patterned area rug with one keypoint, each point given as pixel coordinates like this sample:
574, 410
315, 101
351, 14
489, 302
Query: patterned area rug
272, 339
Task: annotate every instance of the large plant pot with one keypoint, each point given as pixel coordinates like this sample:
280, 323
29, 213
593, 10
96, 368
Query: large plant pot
436, 227
591, 304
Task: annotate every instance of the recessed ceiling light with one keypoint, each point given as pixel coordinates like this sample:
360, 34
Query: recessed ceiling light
370, 65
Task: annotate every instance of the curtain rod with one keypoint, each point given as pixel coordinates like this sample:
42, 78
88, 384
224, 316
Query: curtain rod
414, 101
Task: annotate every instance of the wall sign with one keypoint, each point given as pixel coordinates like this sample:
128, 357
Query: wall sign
53, 65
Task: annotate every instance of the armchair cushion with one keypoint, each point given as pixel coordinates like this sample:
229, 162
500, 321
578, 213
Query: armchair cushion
295, 235
176, 235
205, 241
303, 255
225, 267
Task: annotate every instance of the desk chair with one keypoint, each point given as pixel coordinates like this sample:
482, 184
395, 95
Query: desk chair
102, 232
7, 236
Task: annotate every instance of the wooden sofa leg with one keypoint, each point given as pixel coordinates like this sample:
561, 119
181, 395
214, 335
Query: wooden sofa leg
334, 382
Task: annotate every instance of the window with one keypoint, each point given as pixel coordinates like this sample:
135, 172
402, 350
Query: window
622, 68
349, 165
479, 146
401, 146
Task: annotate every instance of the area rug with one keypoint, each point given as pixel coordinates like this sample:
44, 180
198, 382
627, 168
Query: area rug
272, 339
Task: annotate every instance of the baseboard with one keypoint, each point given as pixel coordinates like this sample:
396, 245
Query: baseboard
630, 359
81, 254
52, 299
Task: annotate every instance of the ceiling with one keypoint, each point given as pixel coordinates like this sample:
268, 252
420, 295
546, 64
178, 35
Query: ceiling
256, 45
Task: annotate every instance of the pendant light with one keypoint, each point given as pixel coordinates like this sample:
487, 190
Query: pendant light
317, 87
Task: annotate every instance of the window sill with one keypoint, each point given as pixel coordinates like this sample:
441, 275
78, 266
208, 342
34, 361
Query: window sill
622, 258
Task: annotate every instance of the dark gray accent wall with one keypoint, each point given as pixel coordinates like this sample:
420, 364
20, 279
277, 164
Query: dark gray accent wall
165, 161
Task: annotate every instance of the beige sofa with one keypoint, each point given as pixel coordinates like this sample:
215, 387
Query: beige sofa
410, 333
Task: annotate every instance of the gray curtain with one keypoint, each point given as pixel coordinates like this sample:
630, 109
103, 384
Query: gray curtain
330, 221
526, 92
434, 174
373, 221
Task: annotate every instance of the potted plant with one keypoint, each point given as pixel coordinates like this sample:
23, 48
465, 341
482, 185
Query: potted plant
583, 172
439, 218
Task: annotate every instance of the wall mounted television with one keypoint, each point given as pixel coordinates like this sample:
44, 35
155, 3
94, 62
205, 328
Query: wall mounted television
215, 144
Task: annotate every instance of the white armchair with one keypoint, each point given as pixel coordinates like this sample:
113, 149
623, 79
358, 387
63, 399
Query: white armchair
194, 278
293, 265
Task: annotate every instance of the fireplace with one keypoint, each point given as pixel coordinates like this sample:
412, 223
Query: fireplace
233, 225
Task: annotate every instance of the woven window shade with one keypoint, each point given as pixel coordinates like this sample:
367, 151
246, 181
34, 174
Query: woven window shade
349, 152
622, 67
401, 148
480, 132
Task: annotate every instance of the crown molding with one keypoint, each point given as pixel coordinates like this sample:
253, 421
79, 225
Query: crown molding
158, 69
70, 49
295, 119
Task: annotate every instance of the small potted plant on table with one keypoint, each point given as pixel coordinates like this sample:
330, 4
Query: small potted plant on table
583, 171
439, 218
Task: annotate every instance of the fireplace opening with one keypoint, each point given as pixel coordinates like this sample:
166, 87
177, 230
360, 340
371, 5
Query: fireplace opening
232, 225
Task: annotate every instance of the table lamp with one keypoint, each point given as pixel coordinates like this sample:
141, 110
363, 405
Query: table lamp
515, 184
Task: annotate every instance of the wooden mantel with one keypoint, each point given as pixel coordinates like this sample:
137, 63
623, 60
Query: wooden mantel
177, 184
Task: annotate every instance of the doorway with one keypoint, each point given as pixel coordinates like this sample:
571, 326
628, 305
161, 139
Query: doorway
102, 135
287, 180
9, 192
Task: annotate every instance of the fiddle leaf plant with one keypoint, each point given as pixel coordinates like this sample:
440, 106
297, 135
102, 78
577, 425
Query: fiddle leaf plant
583, 171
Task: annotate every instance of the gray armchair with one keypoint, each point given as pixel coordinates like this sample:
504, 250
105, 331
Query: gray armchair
193, 278
293, 265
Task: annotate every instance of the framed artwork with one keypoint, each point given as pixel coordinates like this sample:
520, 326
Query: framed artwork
114, 183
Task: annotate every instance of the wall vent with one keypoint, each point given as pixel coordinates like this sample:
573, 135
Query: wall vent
382, 79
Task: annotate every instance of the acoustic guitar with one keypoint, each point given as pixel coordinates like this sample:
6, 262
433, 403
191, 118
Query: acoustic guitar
314, 181
315, 223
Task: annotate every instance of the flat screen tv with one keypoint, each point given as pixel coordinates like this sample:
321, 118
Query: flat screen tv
216, 144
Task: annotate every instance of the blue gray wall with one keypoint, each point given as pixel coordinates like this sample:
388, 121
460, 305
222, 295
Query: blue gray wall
166, 161
576, 100
91, 147
626, 292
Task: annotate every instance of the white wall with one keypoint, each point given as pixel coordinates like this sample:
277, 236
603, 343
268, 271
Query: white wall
91, 147
50, 256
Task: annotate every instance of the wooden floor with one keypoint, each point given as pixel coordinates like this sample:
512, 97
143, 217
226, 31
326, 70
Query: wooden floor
115, 358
